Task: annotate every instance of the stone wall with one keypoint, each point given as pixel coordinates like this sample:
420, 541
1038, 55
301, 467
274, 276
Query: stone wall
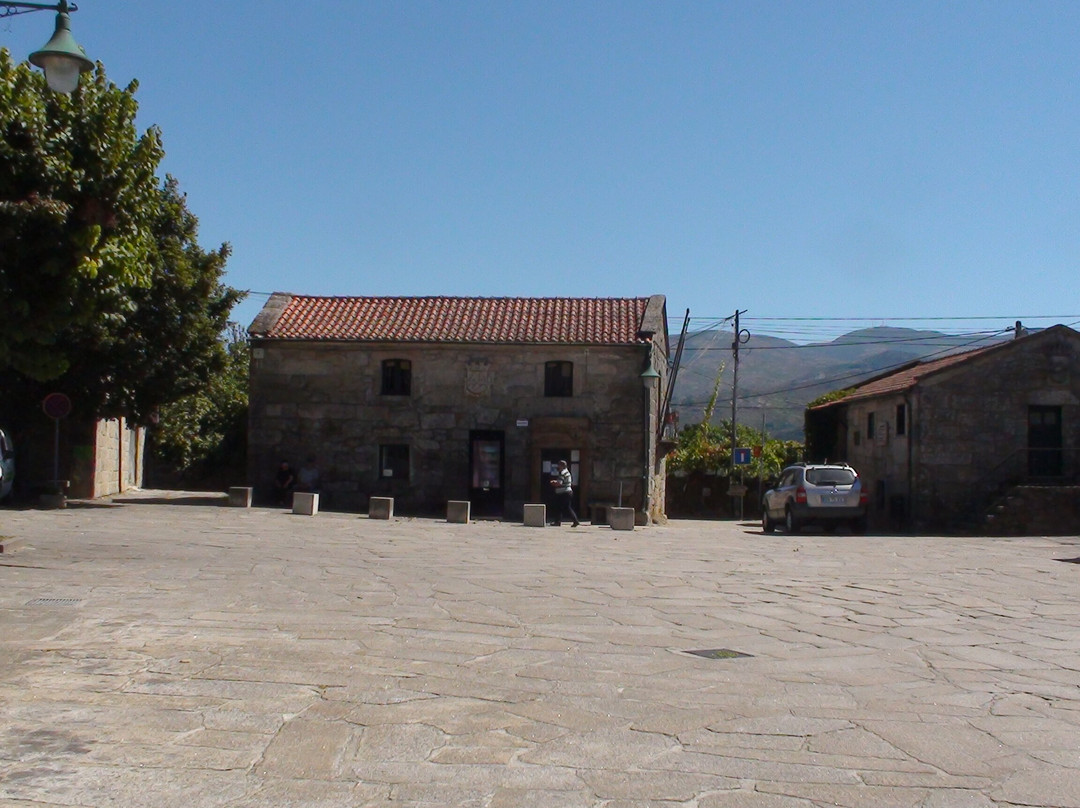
324, 399
971, 425
966, 431
117, 458
879, 452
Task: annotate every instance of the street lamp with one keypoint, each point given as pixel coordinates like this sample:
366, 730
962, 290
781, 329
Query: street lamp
651, 380
61, 58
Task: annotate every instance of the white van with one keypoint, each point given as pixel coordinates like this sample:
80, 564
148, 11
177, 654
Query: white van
7, 465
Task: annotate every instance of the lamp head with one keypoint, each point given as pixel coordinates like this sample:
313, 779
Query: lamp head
62, 58
650, 378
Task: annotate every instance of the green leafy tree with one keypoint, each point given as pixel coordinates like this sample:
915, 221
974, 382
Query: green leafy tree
105, 293
207, 431
706, 447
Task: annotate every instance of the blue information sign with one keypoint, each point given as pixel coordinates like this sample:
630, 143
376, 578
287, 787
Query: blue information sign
742, 457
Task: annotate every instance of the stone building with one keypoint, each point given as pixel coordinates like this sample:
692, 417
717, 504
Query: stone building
430, 399
97, 457
936, 441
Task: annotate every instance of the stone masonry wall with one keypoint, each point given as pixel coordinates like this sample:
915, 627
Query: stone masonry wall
971, 425
880, 456
324, 399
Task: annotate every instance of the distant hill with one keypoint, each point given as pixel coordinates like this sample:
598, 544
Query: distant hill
779, 378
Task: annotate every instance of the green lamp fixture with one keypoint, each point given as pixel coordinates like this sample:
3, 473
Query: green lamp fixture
61, 58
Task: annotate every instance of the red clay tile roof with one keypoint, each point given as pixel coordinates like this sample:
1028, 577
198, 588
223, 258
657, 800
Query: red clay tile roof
906, 377
599, 321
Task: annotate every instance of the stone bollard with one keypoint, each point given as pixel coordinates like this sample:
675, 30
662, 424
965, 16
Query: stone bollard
381, 508
305, 503
240, 497
458, 511
535, 515
621, 518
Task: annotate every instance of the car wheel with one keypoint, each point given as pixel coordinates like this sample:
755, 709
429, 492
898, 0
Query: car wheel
791, 524
858, 525
767, 523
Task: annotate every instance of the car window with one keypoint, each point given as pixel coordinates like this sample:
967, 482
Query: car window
830, 476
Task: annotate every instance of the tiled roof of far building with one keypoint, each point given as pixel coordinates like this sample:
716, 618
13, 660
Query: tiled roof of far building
906, 377
600, 321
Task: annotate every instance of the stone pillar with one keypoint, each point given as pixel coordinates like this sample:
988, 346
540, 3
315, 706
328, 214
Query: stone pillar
240, 497
535, 515
458, 511
621, 518
305, 503
381, 508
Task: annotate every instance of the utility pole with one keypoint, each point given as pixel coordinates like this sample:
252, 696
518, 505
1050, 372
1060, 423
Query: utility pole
742, 336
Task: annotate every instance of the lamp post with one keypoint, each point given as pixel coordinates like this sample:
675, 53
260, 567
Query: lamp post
650, 379
61, 57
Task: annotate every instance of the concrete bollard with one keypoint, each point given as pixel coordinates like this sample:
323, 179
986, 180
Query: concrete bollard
240, 497
381, 508
621, 518
535, 515
305, 503
458, 511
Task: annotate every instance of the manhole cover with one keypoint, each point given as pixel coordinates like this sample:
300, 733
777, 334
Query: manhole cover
718, 653
55, 602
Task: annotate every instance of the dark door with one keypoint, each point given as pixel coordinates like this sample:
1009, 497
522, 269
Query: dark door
486, 457
549, 470
1044, 441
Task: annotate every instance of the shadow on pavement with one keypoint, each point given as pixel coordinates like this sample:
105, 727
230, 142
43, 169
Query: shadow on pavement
185, 499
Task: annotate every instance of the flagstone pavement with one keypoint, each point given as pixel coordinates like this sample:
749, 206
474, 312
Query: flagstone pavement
160, 650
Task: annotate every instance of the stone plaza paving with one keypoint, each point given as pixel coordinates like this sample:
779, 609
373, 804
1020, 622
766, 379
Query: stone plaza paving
162, 650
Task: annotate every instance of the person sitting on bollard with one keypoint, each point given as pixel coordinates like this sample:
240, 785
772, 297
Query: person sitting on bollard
284, 483
307, 479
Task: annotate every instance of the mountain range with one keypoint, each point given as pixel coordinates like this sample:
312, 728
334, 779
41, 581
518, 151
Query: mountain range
777, 378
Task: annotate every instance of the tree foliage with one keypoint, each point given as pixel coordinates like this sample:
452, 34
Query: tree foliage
207, 430
105, 293
706, 447
828, 398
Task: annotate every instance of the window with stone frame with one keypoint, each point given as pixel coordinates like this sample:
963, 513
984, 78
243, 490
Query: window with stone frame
558, 379
394, 461
396, 377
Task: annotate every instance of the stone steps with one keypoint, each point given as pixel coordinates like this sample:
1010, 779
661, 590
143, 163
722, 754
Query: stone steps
1044, 510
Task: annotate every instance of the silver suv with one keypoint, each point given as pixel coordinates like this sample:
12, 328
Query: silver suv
827, 494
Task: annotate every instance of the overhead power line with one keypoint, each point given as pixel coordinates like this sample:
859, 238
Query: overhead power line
860, 374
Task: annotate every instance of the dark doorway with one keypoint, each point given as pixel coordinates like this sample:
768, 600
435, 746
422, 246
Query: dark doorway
549, 469
1044, 441
486, 461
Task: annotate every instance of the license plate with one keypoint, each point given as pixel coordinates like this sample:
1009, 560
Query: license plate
834, 499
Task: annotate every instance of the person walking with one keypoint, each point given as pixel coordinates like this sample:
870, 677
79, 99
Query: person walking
564, 495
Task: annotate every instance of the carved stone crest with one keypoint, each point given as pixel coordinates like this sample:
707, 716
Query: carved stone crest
479, 379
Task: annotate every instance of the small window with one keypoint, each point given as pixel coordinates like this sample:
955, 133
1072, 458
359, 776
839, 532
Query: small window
858, 438
394, 461
871, 426
559, 379
901, 419
396, 377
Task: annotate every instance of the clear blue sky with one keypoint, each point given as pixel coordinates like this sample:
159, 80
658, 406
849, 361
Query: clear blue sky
794, 159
